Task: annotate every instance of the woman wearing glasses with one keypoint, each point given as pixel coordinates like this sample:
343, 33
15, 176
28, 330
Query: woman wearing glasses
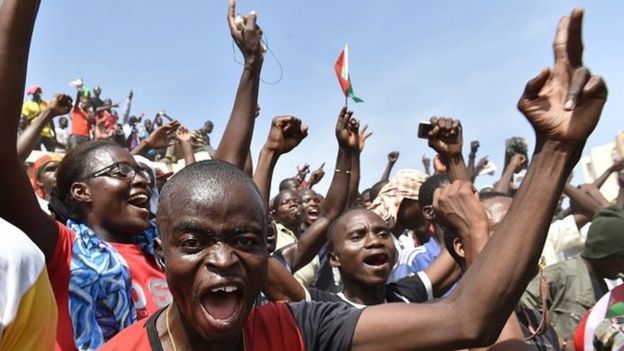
99, 246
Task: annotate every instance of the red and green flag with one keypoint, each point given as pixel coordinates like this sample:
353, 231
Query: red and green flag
342, 71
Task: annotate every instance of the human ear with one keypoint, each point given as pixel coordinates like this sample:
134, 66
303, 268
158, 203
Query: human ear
458, 246
334, 260
80, 192
159, 255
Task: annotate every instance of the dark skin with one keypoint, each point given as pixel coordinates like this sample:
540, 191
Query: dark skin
60, 105
211, 237
236, 140
393, 157
354, 180
516, 164
285, 134
511, 337
47, 179
311, 203
449, 153
476, 311
365, 254
287, 210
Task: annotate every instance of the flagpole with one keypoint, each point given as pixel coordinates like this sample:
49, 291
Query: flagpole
346, 101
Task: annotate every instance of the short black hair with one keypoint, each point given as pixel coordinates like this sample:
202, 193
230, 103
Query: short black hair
332, 226
425, 194
208, 175
278, 198
284, 184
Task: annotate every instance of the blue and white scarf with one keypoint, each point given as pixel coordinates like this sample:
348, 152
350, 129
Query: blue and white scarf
100, 286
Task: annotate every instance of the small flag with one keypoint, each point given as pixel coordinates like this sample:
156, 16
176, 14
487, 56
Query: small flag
342, 71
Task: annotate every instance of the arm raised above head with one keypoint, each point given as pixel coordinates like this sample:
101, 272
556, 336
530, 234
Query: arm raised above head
564, 106
234, 145
19, 205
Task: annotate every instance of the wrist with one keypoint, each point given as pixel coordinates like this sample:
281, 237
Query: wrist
254, 62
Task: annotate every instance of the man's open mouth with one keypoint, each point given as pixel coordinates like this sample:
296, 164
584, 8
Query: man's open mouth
222, 303
377, 261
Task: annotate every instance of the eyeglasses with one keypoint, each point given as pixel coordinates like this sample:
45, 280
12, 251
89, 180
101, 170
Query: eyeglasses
121, 170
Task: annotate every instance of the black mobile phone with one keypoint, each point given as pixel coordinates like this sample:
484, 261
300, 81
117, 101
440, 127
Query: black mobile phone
425, 127
423, 130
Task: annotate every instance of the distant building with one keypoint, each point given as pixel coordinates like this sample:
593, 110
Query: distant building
599, 159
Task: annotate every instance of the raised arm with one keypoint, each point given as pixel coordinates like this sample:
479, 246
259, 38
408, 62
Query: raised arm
19, 205
354, 179
335, 202
617, 166
472, 156
393, 157
234, 145
60, 105
184, 138
564, 106
285, 134
160, 138
316, 176
515, 164
450, 153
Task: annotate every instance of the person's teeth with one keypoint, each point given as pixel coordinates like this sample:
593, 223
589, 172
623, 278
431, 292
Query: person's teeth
227, 289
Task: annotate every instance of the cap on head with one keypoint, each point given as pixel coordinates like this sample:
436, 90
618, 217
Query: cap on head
606, 234
33, 89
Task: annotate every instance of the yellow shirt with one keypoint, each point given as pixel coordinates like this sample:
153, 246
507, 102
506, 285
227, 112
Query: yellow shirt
28, 312
31, 109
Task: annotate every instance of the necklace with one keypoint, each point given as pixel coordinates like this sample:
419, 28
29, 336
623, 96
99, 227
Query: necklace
169, 330
173, 340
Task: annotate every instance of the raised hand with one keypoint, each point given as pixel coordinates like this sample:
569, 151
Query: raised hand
60, 105
458, 208
246, 34
183, 134
474, 146
481, 164
102, 130
517, 162
163, 136
564, 103
618, 165
347, 130
394, 156
441, 136
363, 135
285, 134
316, 175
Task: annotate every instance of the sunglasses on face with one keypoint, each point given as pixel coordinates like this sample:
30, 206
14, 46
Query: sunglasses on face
121, 170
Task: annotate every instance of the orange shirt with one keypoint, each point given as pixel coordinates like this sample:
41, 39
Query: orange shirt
80, 122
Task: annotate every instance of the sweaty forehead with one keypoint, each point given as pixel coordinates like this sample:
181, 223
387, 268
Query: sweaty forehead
355, 218
212, 203
106, 156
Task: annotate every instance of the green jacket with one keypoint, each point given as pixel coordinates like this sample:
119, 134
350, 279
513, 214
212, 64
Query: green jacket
570, 295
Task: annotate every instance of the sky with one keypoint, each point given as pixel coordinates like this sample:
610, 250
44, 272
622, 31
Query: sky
409, 60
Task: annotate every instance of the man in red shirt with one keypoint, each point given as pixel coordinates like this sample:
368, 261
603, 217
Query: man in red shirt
81, 121
213, 224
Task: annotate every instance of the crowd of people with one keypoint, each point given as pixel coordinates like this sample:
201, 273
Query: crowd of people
103, 251
95, 119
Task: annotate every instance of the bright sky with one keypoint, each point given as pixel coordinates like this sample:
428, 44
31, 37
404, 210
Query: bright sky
409, 60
